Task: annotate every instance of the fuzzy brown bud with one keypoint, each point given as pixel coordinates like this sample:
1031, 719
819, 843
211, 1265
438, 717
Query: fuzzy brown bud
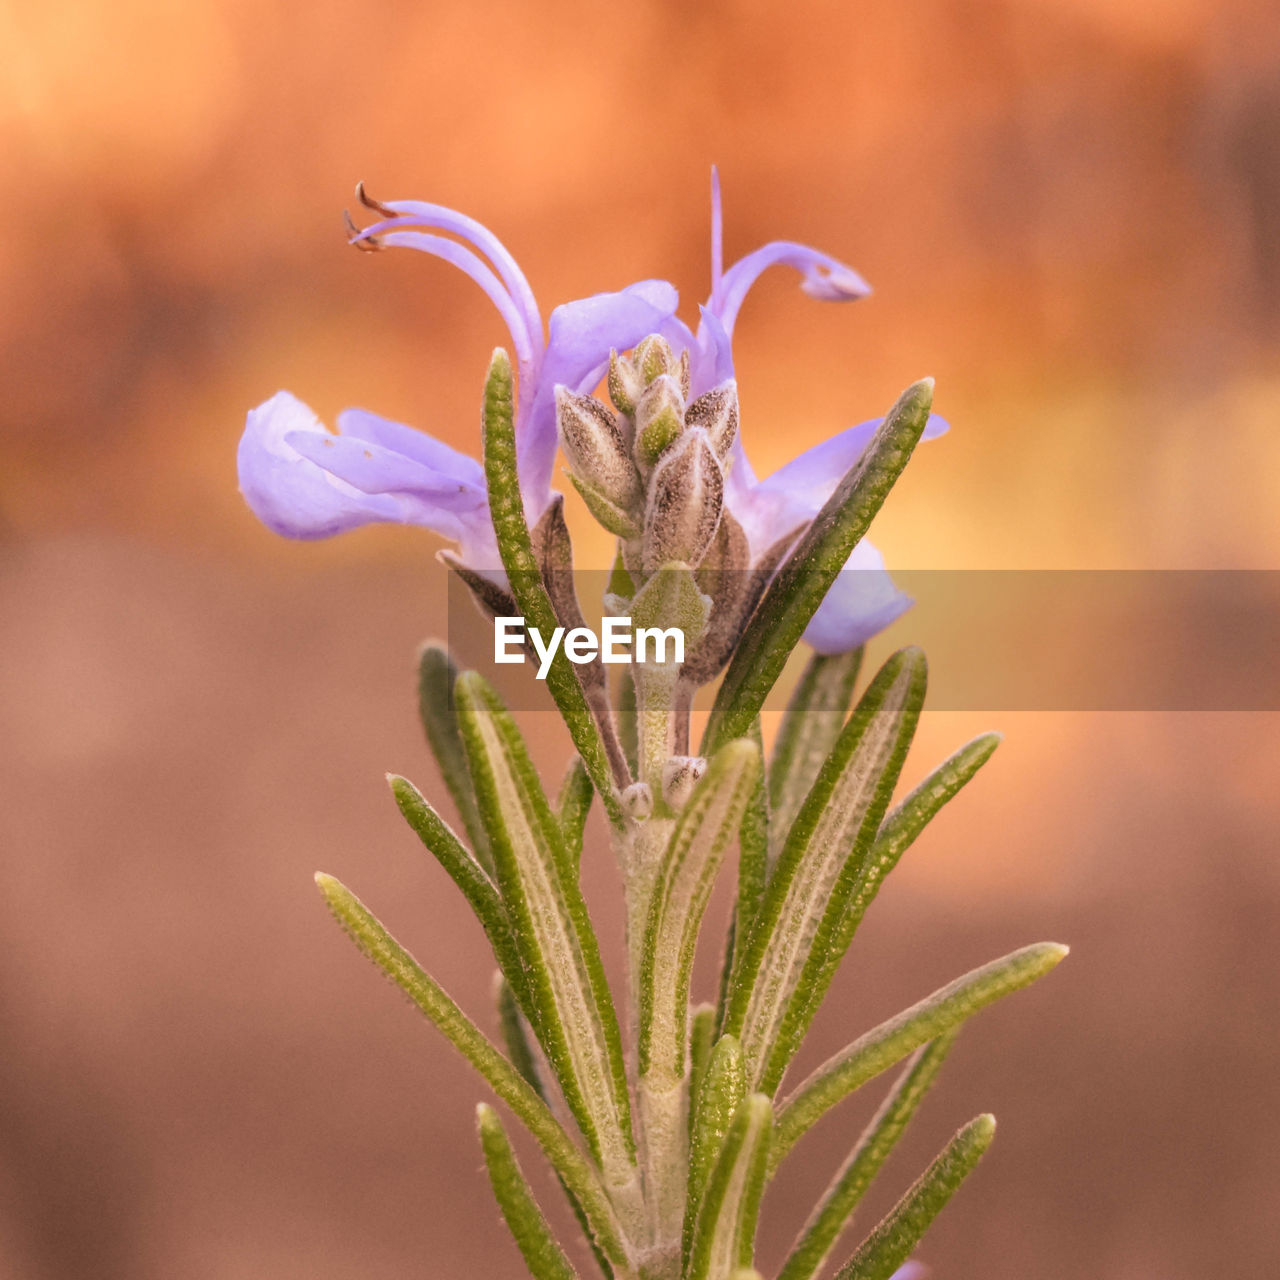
686, 496
596, 449
716, 413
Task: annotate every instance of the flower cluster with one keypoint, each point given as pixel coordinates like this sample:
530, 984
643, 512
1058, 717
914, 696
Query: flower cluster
305, 481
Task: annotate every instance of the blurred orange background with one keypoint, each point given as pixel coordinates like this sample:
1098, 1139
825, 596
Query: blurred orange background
1071, 214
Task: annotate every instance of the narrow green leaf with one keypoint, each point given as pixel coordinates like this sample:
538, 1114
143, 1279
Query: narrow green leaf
578, 1175
702, 1033
629, 720
896, 834
724, 1235
702, 834
753, 847
799, 586
436, 674
575, 1019
572, 806
829, 1219
515, 1035
891, 1041
891, 1243
542, 1255
515, 546
817, 869
812, 723
464, 871
723, 1089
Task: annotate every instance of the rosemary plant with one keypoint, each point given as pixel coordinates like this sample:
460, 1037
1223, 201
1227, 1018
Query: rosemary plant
663, 1117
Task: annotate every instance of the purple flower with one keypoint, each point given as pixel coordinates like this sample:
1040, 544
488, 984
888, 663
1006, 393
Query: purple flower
305, 481
863, 600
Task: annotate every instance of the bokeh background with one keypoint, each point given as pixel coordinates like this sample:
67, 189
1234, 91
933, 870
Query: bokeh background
1070, 210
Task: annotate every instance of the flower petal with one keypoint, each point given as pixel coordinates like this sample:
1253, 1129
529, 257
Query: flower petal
581, 335
815, 473
825, 277
862, 602
412, 443
289, 494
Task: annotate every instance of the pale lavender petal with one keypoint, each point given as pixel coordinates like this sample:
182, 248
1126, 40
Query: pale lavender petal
412, 443
290, 495
824, 277
420, 213
526, 343
373, 469
581, 336
861, 603
816, 472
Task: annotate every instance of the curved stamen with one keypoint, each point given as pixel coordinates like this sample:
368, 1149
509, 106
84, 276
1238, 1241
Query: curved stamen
824, 277
417, 213
355, 238
472, 265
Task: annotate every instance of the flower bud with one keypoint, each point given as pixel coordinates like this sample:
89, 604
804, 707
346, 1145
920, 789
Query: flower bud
624, 383
680, 775
652, 358
597, 452
659, 418
637, 800
716, 413
686, 496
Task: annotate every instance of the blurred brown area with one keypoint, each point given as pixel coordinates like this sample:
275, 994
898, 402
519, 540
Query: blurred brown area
1071, 212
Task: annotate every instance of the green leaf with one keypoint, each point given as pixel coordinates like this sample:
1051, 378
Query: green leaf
575, 1019
723, 1088
891, 1243
830, 1218
572, 806
463, 870
817, 869
812, 723
724, 1235
436, 674
702, 834
515, 546
896, 834
542, 1255
515, 1035
891, 1041
578, 1175
702, 1034
803, 580
753, 847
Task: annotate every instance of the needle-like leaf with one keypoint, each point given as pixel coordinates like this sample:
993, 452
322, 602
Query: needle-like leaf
892, 1241
463, 870
436, 673
724, 1234
574, 1019
702, 834
723, 1088
578, 1175
896, 834
799, 586
515, 1035
817, 869
572, 806
829, 1219
810, 726
542, 1255
891, 1041
515, 546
